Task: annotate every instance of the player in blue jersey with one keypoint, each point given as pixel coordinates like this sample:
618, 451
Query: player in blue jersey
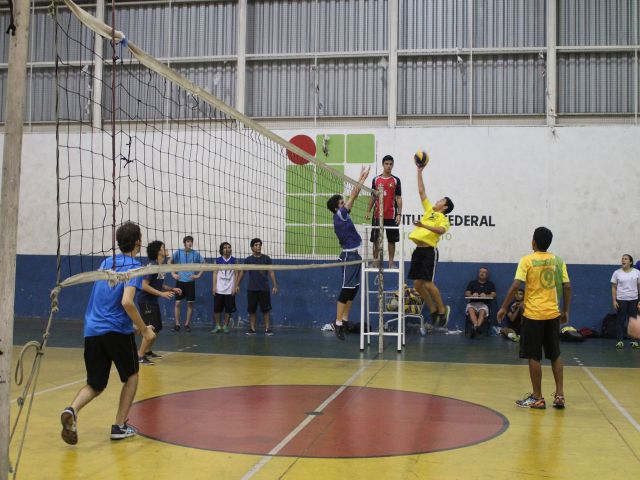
350, 241
109, 323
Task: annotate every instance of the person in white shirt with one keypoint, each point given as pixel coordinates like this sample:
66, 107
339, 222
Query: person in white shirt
625, 285
223, 289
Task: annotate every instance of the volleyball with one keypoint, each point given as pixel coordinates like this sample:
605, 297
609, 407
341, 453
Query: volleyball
421, 158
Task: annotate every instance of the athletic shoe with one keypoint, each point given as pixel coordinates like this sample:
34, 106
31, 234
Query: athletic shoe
558, 401
69, 420
447, 312
619, 345
250, 332
268, 332
345, 327
532, 402
218, 329
151, 354
176, 328
635, 345
187, 328
339, 331
118, 432
143, 360
516, 338
225, 329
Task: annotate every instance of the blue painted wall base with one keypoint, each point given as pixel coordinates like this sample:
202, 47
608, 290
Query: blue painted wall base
307, 298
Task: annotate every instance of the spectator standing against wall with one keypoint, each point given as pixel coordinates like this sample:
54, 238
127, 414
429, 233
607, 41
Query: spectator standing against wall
186, 281
625, 285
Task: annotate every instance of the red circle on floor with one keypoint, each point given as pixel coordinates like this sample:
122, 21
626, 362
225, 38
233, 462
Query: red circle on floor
305, 143
358, 422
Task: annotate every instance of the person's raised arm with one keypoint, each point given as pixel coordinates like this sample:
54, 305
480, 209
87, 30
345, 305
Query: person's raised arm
364, 173
421, 190
372, 201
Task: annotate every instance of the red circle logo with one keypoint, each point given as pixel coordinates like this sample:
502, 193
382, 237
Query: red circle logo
305, 143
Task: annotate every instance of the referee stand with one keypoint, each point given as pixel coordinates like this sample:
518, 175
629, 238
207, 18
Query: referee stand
374, 299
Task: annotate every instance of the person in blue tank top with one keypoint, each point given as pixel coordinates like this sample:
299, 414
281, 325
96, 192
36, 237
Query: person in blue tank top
109, 324
350, 241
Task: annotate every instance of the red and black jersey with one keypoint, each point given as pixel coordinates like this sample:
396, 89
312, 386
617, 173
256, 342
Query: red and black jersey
392, 189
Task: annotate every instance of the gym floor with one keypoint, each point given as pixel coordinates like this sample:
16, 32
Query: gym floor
304, 405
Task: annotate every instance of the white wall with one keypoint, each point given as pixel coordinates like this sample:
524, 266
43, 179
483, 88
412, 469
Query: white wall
582, 182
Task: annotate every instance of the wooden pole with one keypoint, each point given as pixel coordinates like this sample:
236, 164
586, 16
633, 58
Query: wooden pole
10, 196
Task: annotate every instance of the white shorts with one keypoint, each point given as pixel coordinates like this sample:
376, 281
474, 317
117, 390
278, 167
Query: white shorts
478, 307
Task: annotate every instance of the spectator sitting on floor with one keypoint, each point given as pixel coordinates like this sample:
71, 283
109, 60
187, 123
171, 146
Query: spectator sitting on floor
478, 310
512, 323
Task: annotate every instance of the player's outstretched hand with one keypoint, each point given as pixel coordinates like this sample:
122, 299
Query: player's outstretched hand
364, 172
501, 313
275, 290
168, 294
564, 318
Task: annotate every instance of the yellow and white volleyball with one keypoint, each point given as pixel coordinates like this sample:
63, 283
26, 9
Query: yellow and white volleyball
421, 158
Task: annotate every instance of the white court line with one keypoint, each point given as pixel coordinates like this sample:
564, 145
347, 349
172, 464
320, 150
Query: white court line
613, 400
274, 451
75, 382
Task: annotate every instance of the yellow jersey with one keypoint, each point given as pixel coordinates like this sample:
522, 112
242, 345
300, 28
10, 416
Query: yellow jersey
543, 274
433, 219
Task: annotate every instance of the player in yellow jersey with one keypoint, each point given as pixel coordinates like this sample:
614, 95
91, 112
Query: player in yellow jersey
424, 259
546, 286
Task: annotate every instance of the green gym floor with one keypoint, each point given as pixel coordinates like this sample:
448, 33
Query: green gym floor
304, 405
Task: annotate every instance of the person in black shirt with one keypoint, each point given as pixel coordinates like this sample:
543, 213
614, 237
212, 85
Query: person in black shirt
478, 310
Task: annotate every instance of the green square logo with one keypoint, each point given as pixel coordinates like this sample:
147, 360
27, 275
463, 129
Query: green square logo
361, 148
334, 146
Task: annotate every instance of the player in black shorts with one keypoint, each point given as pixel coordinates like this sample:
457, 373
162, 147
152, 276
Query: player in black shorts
391, 209
153, 288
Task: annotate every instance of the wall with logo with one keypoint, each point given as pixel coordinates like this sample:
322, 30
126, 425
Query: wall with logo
581, 182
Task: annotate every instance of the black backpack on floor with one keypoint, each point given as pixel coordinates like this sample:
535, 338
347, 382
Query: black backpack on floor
609, 325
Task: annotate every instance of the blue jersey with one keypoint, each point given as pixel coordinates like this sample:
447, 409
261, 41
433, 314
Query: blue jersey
105, 312
345, 230
180, 256
258, 278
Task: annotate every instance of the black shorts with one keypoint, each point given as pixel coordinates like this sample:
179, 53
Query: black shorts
423, 264
224, 303
188, 291
102, 350
263, 297
150, 313
538, 334
393, 234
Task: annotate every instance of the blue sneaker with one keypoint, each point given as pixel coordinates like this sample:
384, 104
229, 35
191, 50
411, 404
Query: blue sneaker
119, 432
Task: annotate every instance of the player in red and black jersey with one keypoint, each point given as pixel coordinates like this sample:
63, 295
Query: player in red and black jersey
391, 209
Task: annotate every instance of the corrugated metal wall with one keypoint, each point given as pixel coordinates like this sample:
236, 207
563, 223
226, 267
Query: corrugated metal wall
449, 60
597, 22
